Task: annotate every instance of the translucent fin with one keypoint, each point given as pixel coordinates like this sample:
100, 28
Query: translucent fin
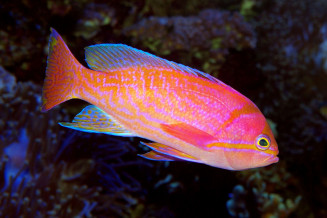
153, 155
189, 134
106, 57
170, 152
93, 119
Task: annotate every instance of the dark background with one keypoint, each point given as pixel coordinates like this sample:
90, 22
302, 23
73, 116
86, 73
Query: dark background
272, 51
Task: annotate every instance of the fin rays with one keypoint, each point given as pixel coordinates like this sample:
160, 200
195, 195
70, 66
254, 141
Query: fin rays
106, 57
93, 119
164, 152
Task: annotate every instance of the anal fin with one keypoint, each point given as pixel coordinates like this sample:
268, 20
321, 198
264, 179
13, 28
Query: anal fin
154, 155
92, 119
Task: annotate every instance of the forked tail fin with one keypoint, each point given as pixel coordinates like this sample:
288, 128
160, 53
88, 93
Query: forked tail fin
60, 73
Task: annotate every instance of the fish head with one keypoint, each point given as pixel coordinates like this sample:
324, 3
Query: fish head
250, 142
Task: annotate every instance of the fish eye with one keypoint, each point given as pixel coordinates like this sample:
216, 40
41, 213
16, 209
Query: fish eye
262, 142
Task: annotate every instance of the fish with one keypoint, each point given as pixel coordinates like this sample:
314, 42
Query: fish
187, 114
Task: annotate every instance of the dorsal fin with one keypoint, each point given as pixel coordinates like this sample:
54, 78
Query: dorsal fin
106, 57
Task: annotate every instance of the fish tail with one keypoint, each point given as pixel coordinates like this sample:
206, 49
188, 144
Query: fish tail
60, 73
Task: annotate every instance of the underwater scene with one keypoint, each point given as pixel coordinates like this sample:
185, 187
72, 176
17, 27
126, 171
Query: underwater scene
173, 140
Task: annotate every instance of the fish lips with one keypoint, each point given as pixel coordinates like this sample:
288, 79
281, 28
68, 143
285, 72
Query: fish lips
271, 159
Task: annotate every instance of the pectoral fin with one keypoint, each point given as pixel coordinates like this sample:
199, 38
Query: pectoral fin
189, 134
92, 119
168, 152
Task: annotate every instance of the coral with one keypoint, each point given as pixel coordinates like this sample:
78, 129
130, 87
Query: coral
275, 55
24, 31
290, 90
290, 57
261, 194
208, 36
22, 38
15, 51
46, 171
7, 81
236, 206
94, 17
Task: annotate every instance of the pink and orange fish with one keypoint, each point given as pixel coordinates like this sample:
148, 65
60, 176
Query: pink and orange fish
188, 114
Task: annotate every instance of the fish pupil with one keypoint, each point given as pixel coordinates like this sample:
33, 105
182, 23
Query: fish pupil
263, 142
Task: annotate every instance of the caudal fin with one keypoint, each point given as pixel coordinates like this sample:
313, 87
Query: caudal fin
60, 73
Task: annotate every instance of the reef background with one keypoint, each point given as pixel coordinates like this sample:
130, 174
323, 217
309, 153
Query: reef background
272, 51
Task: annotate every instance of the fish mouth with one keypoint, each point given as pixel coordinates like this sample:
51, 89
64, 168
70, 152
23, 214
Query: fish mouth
271, 160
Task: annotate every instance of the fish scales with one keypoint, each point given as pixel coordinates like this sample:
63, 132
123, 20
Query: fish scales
178, 99
159, 98
188, 114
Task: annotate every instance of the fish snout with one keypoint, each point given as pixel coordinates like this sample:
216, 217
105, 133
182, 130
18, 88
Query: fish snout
270, 160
